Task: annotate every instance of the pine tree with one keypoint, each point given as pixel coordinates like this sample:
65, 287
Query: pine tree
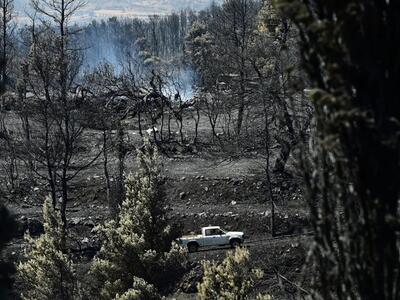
48, 273
233, 279
140, 243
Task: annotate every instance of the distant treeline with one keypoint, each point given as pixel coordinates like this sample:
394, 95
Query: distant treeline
114, 39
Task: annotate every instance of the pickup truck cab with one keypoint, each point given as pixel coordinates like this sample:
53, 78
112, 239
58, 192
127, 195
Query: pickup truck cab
212, 236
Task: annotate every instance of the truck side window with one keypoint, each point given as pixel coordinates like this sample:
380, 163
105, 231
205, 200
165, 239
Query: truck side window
217, 232
209, 232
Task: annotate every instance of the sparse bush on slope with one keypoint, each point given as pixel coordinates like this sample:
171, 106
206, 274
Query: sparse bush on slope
138, 257
233, 279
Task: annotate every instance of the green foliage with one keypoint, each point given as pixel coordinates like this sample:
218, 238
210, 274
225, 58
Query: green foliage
270, 22
200, 48
47, 273
219, 42
140, 290
233, 279
7, 230
140, 243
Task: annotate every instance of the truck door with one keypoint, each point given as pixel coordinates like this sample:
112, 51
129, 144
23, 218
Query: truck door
209, 237
222, 238
215, 237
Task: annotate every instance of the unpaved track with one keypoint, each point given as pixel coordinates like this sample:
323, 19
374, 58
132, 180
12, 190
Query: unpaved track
252, 244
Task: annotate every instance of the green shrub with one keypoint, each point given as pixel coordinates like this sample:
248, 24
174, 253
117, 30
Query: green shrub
141, 290
47, 273
233, 279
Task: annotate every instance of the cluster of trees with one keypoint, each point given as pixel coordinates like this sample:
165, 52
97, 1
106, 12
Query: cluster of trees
159, 37
250, 86
240, 85
56, 102
246, 56
138, 258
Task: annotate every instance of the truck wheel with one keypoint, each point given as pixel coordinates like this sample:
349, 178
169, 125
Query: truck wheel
235, 243
193, 247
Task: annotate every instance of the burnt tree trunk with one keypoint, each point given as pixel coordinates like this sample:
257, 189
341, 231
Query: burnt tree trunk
121, 153
111, 205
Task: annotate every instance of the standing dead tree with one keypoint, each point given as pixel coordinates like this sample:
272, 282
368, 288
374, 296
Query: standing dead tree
117, 100
10, 165
112, 101
50, 75
276, 63
7, 28
234, 26
219, 45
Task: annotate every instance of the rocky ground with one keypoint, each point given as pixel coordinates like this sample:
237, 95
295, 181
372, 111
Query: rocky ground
203, 188
200, 192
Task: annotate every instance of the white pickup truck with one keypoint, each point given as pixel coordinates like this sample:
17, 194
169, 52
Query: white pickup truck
210, 237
